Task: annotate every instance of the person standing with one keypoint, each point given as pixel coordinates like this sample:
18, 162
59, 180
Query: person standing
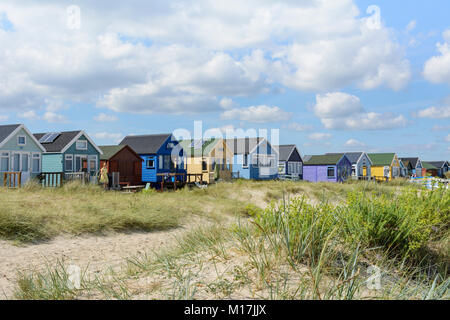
104, 176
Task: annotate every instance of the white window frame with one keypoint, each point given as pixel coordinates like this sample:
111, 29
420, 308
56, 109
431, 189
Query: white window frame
24, 138
69, 157
80, 148
33, 157
5, 155
20, 153
265, 161
81, 157
146, 163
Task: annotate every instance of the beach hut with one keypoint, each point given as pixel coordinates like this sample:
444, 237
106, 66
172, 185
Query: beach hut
431, 170
327, 168
290, 162
403, 169
207, 160
20, 155
361, 164
69, 155
385, 166
254, 158
162, 155
123, 160
442, 167
414, 166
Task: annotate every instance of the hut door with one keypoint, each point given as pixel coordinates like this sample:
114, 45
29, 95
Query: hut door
364, 171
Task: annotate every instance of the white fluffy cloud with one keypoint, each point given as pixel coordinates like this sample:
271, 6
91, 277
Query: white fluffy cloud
320, 136
115, 137
103, 117
54, 117
337, 104
184, 57
259, 114
354, 143
295, 126
29, 115
342, 111
437, 68
435, 112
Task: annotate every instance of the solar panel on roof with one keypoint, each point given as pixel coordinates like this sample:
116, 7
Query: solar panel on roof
49, 137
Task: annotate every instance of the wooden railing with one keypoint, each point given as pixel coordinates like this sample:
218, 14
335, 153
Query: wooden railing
12, 179
194, 177
169, 176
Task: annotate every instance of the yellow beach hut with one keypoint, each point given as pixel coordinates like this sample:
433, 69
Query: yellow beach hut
385, 166
207, 160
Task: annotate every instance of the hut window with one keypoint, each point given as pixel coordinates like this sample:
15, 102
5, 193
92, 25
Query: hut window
82, 145
167, 162
161, 162
330, 172
36, 165
21, 140
69, 163
245, 161
204, 165
354, 170
4, 161
150, 163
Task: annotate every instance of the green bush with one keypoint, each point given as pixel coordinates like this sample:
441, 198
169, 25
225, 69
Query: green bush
402, 223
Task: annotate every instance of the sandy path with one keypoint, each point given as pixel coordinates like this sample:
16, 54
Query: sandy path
96, 252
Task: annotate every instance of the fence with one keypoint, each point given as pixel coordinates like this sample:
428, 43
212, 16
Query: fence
288, 177
81, 176
52, 179
431, 183
12, 179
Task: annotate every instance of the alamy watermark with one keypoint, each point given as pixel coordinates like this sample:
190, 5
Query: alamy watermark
73, 17
73, 277
374, 21
374, 280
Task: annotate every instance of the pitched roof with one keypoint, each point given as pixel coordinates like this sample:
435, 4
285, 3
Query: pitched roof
207, 146
306, 157
352, 156
285, 151
243, 145
382, 159
60, 142
413, 161
327, 159
6, 130
109, 151
146, 144
437, 164
429, 166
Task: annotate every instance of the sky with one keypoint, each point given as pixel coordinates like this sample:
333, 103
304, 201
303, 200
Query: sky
332, 76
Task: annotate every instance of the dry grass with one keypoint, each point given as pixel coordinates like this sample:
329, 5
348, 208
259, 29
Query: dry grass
309, 256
